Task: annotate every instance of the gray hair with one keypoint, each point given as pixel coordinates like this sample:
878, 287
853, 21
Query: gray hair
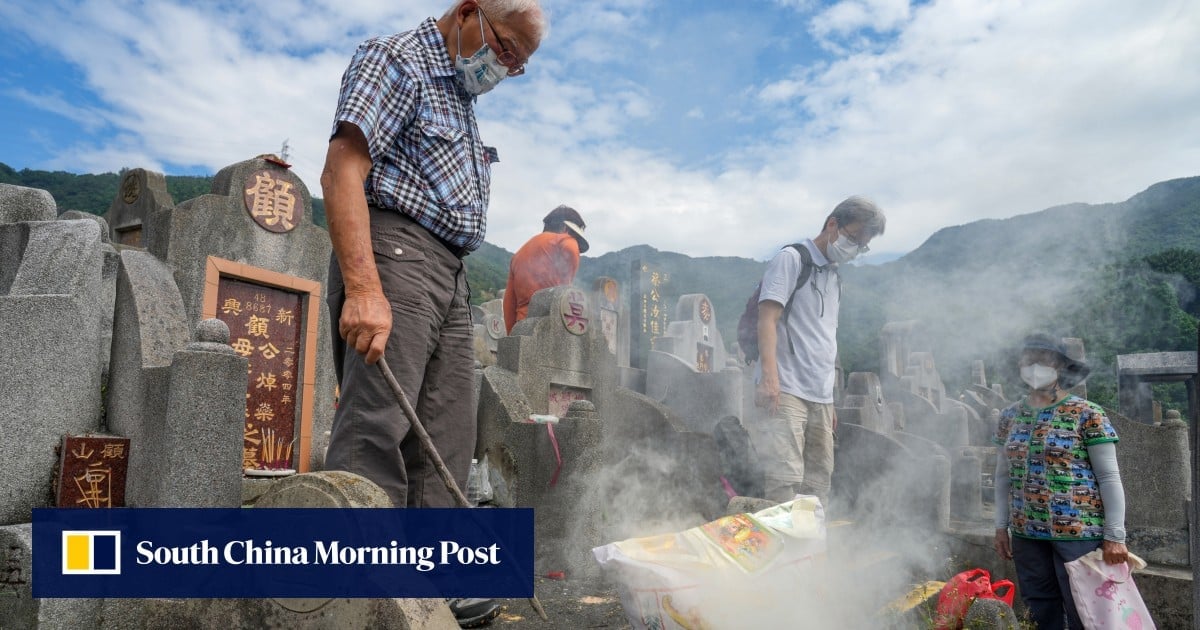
499, 10
858, 209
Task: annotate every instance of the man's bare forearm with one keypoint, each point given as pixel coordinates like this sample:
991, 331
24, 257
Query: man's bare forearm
346, 168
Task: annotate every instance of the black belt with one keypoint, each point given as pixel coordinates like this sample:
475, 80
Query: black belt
457, 252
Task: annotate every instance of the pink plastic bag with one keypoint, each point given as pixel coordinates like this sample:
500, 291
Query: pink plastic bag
1105, 594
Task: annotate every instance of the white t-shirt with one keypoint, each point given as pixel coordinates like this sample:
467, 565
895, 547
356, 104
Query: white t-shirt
808, 371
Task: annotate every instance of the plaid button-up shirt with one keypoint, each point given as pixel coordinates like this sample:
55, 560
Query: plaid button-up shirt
428, 161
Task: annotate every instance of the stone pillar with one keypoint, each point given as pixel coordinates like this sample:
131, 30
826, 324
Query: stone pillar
203, 429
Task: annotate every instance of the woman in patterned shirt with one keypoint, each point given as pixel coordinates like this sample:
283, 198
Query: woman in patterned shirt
1058, 488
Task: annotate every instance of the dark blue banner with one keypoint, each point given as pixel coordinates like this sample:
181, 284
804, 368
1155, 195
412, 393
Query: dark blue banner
210, 552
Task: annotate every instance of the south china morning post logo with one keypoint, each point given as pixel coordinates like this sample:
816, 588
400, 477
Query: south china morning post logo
282, 552
91, 552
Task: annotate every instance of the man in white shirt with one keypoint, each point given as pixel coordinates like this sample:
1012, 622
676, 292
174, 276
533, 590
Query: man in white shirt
798, 350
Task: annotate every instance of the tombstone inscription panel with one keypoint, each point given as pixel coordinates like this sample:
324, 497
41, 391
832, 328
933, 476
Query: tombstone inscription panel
92, 472
649, 310
560, 397
265, 327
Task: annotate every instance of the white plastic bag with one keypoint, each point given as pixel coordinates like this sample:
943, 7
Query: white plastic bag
723, 574
1105, 594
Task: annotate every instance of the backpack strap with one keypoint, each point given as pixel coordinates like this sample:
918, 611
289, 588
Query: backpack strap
806, 267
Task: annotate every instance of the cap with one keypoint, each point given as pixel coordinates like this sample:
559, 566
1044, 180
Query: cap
577, 232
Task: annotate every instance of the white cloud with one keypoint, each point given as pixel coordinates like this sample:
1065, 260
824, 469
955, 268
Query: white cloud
958, 111
848, 16
88, 118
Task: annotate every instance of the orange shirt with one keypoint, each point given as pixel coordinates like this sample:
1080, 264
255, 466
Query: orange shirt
548, 259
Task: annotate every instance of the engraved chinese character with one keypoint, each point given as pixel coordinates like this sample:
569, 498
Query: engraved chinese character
243, 346
287, 375
82, 451
250, 457
287, 398
95, 487
232, 306
272, 200
258, 326
284, 316
269, 351
266, 380
252, 436
13, 577
287, 387
288, 361
264, 413
113, 451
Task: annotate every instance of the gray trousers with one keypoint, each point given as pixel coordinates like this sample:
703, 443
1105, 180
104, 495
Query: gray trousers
430, 351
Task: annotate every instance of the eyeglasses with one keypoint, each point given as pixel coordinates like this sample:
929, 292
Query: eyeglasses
862, 248
505, 56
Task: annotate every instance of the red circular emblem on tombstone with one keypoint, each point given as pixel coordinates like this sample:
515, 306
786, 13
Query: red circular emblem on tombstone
495, 327
272, 201
573, 307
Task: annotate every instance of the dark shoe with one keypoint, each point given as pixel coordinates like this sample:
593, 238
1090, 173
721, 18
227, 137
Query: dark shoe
472, 612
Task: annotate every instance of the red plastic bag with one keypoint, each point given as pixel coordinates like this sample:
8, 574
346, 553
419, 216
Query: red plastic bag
963, 589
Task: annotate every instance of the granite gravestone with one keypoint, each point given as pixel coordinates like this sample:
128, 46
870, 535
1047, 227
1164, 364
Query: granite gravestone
51, 305
256, 228
689, 370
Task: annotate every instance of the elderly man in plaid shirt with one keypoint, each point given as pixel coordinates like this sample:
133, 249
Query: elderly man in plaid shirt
406, 191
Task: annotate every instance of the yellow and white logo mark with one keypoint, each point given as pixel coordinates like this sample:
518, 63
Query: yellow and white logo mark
91, 552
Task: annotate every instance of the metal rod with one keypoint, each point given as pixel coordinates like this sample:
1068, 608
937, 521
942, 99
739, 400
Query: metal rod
431, 450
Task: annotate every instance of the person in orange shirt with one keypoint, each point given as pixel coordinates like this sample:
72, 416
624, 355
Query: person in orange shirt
549, 259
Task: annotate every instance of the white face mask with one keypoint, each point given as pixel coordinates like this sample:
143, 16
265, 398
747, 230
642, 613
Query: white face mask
842, 250
1038, 376
479, 73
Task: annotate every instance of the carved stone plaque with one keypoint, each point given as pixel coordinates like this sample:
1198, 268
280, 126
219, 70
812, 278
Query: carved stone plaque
131, 188
272, 202
573, 306
265, 327
91, 471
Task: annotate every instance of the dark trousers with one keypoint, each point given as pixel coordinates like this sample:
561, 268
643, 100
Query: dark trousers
1043, 582
430, 351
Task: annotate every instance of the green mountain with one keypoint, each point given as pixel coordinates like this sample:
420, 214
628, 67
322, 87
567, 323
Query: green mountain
1124, 276
95, 193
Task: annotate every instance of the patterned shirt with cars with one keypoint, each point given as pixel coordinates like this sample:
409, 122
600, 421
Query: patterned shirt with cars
1054, 495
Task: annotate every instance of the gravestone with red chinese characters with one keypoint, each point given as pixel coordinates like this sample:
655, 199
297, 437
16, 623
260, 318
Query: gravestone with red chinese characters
613, 317
249, 254
689, 369
489, 328
606, 450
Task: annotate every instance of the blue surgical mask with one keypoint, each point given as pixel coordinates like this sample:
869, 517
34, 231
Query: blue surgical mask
480, 72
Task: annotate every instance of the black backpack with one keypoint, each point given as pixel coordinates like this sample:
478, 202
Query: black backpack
747, 328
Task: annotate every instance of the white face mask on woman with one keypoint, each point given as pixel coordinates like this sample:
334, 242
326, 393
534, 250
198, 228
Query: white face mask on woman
1038, 376
482, 71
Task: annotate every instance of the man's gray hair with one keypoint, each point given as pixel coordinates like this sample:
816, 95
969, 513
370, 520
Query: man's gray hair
499, 10
858, 209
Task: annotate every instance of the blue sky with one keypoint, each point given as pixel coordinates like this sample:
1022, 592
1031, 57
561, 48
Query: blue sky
699, 126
